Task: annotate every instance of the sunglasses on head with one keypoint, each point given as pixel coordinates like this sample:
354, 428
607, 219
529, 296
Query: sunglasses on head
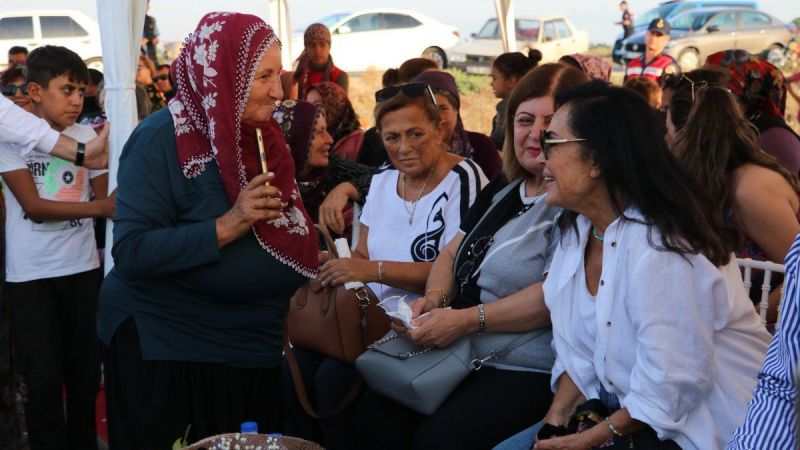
547, 141
695, 86
11, 89
161, 77
411, 90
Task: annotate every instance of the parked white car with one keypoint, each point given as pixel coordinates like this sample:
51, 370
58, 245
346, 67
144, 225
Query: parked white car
384, 38
554, 36
67, 28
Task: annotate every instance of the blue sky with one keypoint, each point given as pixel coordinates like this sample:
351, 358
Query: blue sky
177, 18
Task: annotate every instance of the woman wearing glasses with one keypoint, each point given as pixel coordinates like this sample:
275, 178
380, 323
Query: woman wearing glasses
414, 207
14, 87
491, 274
649, 313
757, 195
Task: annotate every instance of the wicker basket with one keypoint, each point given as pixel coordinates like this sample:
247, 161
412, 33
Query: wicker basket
253, 442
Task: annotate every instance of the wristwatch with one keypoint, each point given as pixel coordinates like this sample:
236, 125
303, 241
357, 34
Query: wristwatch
80, 154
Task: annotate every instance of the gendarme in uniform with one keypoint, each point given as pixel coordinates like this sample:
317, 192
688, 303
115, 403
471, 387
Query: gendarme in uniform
656, 67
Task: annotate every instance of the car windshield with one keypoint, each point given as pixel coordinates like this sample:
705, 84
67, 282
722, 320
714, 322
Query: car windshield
489, 31
691, 21
655, 13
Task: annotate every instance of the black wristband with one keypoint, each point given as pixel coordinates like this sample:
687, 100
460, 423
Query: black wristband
80, 154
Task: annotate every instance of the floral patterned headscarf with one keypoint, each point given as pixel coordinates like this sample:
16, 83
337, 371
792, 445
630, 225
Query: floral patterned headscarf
595, 67
339, 112
759, 85
213, 75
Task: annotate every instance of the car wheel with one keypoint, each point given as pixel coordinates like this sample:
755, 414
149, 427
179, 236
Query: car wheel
774, 54
437, 55
689, 59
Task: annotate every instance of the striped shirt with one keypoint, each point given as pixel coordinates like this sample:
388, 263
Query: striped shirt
771, 415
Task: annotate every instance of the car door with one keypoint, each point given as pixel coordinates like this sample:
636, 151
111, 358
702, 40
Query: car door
549, 45
65, 31
566, 40
16, 31
357, 43
755, 34
722, 31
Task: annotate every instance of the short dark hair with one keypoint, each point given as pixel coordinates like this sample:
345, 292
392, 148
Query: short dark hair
625, 140
400, 101
17, 49
681, 101
12, 74
163, 66
407, 71
51, 61
95, 76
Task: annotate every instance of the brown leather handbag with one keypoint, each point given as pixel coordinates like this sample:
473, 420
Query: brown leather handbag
336, 322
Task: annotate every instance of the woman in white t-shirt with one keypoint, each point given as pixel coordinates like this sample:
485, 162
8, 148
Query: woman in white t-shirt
414, 208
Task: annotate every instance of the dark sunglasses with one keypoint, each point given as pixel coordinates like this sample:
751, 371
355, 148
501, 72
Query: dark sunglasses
11, 89
411, 90
476, 250
161, 77
547, 141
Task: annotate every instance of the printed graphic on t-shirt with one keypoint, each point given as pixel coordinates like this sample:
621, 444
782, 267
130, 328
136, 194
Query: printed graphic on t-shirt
425, 247
58, 180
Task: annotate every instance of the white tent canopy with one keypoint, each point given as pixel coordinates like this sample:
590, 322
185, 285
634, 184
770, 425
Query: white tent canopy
121, 23
505, 20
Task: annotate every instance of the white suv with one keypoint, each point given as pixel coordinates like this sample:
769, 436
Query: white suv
67, 28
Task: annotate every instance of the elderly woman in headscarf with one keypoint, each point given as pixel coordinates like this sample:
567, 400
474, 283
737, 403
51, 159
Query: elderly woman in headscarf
208, 249
595, 67
342, 120
315, 64
469, 144
761, 89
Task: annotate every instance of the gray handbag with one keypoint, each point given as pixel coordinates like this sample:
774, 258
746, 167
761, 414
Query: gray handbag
421, 378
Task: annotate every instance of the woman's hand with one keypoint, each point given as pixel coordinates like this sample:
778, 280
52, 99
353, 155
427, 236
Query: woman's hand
342, 270
441, 327
420, 306
571, 442
330, 211
258, 201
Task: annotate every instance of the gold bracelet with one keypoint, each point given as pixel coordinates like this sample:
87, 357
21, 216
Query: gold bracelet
380, 272
443, 297
611, 426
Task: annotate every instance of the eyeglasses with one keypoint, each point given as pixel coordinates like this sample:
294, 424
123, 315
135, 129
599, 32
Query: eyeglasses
11, 89
476, 250
547, 141
674, 81
411, 90
161, 77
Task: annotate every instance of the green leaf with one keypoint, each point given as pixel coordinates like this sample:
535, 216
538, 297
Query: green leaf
182, 442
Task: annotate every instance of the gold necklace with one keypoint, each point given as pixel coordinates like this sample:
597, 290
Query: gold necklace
419, 195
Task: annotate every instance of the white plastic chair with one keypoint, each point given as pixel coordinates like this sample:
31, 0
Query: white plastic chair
768, 267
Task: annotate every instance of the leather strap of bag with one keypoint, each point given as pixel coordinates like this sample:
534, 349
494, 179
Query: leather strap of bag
294, 368
300, 386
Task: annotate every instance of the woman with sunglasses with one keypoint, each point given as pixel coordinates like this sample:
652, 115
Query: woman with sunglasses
14, 87
415, 206
650, 317
490, 273
757, 195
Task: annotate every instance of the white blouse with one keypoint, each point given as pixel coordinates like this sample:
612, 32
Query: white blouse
678, 341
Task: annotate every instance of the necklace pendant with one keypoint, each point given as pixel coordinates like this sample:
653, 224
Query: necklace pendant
410, 220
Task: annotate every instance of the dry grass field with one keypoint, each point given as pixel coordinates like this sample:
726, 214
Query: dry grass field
477, 103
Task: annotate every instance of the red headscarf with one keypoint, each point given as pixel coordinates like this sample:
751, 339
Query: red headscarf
213, 75
760, 85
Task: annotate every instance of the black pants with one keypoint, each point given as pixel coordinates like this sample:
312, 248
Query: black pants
486, 408
57, 353
327, 381
151, 404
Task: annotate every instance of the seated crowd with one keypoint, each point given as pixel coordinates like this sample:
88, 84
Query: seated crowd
585, 251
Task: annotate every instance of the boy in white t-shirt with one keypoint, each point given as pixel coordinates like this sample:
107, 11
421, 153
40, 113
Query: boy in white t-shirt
52, 266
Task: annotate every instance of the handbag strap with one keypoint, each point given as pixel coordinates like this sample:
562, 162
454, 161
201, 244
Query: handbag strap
524, 338
300, 386
326, 234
